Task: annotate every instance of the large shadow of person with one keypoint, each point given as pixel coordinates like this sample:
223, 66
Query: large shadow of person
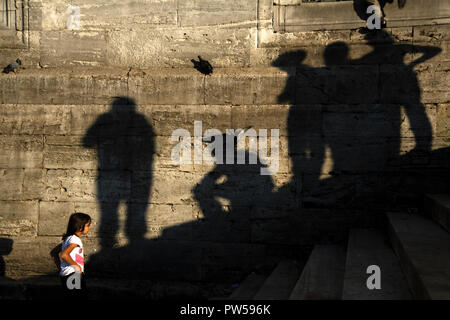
345, 122
125, 146
390, 120
304, 93
398, 83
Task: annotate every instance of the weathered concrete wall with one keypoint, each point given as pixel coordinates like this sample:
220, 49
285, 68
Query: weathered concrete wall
357, 136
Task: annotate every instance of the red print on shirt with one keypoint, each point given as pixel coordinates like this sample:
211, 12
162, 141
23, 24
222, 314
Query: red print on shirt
79, 259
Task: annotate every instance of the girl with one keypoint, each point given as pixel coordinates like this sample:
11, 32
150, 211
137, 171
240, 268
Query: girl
72, 257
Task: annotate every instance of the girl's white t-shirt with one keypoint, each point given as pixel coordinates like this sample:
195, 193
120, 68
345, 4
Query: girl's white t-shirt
76, 255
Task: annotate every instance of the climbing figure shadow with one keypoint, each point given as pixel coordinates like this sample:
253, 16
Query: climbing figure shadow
236, 189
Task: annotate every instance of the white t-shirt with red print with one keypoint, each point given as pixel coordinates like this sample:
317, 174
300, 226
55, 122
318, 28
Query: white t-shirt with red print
76, 255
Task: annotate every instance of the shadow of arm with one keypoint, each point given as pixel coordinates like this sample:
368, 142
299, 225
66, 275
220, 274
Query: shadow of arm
427, 54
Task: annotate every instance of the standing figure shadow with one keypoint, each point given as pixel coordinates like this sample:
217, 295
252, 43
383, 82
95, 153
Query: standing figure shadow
125, 146
392, 115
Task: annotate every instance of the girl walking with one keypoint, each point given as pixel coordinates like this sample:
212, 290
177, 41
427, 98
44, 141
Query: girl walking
72, 256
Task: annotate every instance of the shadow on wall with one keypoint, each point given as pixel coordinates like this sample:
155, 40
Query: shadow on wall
346, 120
344, 138
125, 146
6, 246
7, 285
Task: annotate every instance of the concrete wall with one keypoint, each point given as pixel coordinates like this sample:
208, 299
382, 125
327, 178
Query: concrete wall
359, 134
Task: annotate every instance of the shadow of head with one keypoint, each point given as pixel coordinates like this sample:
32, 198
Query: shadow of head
289, 59
291, 62
121, 104
336, 54
6, 246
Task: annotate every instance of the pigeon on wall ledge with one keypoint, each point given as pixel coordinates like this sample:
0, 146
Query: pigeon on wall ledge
203, 66
12, 66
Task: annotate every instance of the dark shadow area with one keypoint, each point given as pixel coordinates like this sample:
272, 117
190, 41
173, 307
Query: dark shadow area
8, 286
348, 126
6, 246
54, 253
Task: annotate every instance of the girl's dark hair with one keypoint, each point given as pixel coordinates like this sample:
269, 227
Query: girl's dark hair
77, 221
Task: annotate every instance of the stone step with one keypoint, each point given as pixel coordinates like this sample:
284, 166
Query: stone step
424, 251
248, 288
438, 206
160, 86
279, 285
367, 247
322, 277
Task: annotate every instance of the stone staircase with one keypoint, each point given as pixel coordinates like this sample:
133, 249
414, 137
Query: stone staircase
413, 257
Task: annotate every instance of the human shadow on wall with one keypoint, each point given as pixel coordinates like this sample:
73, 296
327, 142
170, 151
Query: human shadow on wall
229, 191
8, 286
347, 121
239, 200
124, 141
6, 246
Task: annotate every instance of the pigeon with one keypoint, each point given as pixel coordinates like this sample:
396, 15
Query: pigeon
203, 66
12, 67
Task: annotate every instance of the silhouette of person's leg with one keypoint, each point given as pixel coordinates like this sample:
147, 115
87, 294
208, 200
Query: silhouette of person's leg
108, 223
136, 225
419, 121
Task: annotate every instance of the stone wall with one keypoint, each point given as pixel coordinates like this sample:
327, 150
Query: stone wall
360, 133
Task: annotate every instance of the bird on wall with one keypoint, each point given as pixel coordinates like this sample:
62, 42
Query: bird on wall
203, 66
12, 66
